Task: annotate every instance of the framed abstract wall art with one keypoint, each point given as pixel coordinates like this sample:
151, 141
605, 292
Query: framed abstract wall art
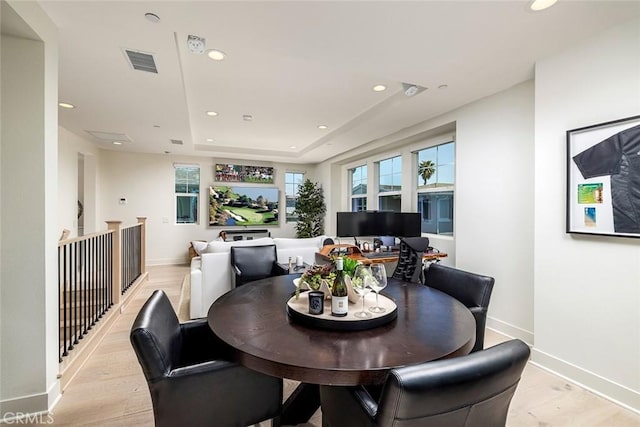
603, 179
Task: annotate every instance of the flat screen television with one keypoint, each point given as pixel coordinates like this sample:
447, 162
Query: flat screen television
234, 205
376, 223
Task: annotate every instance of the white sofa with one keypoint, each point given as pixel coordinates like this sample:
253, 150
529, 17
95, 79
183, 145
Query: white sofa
211, 274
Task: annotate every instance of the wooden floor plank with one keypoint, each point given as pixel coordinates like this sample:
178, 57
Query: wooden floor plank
110, 389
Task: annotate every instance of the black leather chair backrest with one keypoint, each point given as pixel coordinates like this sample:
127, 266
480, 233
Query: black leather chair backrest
327, 241
471, 289
470, 391
190, 381
254, 261
157, 337
409, 266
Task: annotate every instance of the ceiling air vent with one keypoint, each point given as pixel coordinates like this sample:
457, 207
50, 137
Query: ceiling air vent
176, 141
109, 136
141, 61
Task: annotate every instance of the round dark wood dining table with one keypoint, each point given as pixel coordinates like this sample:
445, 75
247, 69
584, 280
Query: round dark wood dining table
252, 319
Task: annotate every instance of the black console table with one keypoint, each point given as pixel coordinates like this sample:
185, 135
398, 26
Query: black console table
240, 233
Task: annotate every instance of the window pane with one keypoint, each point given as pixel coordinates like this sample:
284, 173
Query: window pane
359, 180
186, 209
358, 204
390, 203
290, 205
445, 175
292, 182
436, 165
187, 187
390, 175
437, 212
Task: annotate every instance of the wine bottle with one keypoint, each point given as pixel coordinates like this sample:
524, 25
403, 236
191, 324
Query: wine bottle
339, 298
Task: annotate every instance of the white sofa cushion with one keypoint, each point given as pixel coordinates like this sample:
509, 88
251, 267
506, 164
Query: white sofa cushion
199, 246
219, 247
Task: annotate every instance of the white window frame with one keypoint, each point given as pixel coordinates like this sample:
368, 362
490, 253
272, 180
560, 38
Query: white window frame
435, 190
358, 196
177, 195
293, 197
393, 172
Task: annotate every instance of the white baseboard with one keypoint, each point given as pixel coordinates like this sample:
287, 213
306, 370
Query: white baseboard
510, 330
617, 393
168, 261
34, 408
610, 390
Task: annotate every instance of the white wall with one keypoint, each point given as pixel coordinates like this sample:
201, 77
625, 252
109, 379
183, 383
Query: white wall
69, 147
147, 182
28, 281
494, 202
587, 288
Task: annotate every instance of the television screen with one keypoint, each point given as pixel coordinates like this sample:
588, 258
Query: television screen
230, 206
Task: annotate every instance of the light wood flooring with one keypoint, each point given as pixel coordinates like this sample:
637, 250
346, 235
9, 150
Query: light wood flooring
110, 389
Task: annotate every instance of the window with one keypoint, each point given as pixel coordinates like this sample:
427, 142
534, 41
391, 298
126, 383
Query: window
187, 178
292, 182
390, 184
359, 188
435, 170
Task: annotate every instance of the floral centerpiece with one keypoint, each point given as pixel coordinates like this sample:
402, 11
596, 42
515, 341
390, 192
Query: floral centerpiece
314, 276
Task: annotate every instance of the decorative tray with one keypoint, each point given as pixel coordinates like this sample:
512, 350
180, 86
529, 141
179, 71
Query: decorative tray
298, 310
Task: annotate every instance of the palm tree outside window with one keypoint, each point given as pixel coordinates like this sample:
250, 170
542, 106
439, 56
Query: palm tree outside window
435, 168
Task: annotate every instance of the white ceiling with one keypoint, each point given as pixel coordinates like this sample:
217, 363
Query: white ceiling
296, 65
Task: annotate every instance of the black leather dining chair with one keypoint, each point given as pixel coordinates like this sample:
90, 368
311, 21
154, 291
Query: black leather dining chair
190, 381
409, 267
471, 289
468, 391
251, 263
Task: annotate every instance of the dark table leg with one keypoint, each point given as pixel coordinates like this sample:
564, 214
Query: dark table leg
301, 405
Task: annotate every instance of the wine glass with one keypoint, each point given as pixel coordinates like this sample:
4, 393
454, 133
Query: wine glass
377, 283
360, 282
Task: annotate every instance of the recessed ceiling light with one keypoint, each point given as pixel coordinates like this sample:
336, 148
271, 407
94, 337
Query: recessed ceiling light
443, 86
216, 55
379, 88
293, 147
209, 139
323, 127
66, 105
538, 5
247, 117
152, 17
117, 143
212, 113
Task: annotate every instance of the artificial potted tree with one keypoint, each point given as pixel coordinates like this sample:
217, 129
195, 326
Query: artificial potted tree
310, 209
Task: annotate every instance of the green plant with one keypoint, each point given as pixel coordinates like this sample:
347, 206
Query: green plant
349, 266
310, 210
314, 275
426, 169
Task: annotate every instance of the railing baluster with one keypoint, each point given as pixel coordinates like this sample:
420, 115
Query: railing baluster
86, 278
91, 282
